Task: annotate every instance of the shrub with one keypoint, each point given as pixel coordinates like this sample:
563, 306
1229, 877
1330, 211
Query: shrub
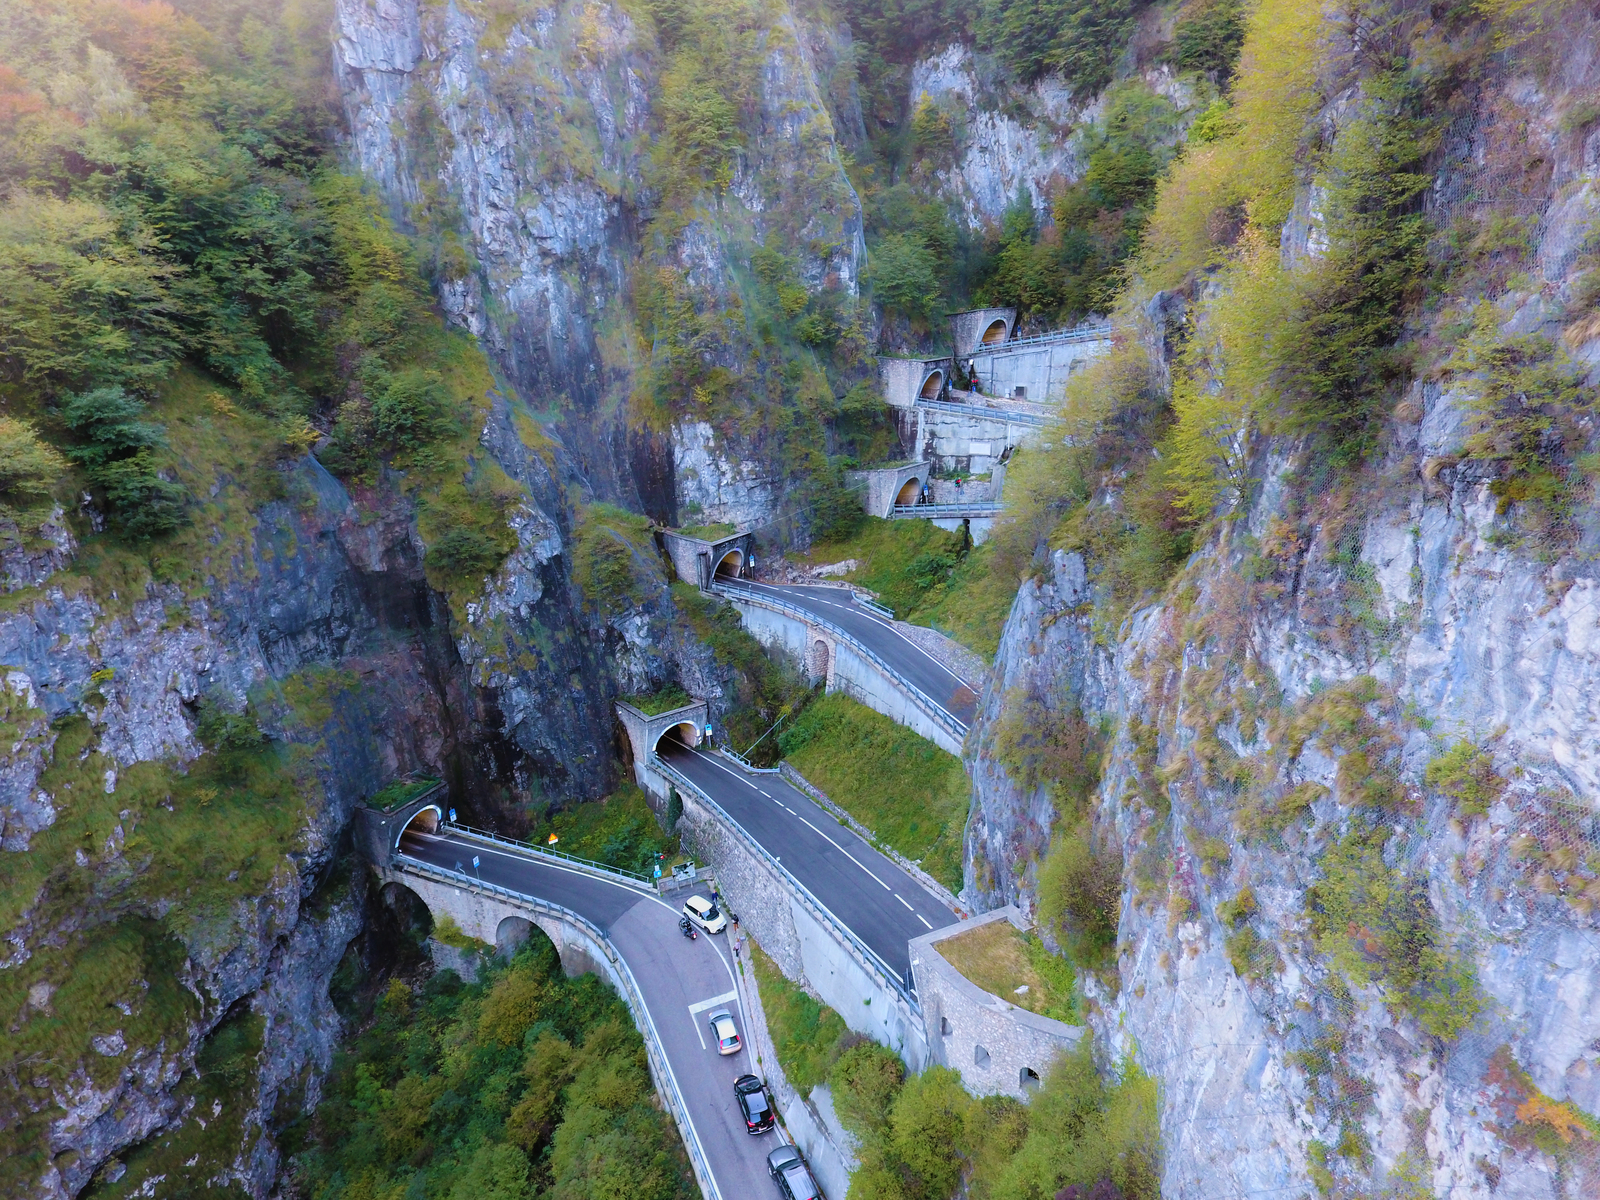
864, 1083
29, 470
464, 554
1079, 38
1208, 37
1080, 895
117, 452
1466, 774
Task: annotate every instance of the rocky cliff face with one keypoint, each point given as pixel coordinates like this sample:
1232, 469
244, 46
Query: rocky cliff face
1401, 638
161, 927
522, 141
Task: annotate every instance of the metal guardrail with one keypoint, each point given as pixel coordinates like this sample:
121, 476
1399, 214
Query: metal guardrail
597, 868
998, 415
654, 1048
932, 511
869, 957
953, 724
745, 762
882, 610
1087, 333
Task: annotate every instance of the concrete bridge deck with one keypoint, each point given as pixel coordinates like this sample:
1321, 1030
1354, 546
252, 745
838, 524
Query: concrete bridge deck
673, 977
946, 512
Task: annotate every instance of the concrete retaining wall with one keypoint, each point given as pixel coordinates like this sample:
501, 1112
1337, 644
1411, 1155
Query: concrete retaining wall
848, 670
990, 1041
1040, 368
804, 947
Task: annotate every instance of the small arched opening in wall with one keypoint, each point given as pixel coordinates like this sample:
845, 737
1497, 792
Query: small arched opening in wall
908, 492
980, 1057
510, 934
944, 1027
684, 733
995, 334
407, 920
730, 564
817, 660
1028, 1079
932, 385
426, 819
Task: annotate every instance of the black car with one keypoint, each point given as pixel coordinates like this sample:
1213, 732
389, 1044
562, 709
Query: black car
793, 1176
754, 1103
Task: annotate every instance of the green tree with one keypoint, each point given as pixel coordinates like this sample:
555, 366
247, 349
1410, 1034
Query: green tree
904, 278
29, 470
1082, 39
117, 450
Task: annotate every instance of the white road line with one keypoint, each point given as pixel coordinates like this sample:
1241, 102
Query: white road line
846, 853
908, 907
713, 1002
924, 920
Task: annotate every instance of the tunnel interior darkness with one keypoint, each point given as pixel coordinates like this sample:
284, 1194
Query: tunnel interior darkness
995, 333
427, 819
908, 493
931, 386
728, 566
684, 733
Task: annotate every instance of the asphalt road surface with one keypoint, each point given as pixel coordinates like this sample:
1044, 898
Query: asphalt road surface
675, 976
957, 696
879, 902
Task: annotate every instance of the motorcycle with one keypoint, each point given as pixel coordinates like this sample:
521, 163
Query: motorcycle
686, 927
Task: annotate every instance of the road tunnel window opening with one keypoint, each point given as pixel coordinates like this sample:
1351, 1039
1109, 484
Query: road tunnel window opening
817, 660
1028, 1079
995, 334
980, 1057
426, 819
908, 492
1022, 392
932, 385
944, 1027
729, 565
684, 733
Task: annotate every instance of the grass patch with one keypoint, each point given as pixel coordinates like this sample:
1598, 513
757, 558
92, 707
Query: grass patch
619, 831
929, 577
1000, 958
807, 1034
911, 794
665, 700
709, 533
399, 793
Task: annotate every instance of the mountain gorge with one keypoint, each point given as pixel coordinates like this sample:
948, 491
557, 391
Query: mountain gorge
351, 355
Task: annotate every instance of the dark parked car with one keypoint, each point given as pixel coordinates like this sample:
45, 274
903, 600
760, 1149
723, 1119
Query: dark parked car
754, 1103
793, 1176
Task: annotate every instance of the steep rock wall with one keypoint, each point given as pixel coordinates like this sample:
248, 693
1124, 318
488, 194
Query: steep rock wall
1329, 644
523, 144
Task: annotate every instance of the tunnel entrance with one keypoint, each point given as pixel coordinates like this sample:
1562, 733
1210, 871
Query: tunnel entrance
729, 565
683, 734
995, 334
909, 492
931, 386
426, 819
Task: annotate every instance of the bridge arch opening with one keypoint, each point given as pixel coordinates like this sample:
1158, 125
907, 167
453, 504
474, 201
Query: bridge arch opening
995, 334
684, 733
510, 934
730, 564
931, 386
1028, 1080
817, 659
908, 493
426, 819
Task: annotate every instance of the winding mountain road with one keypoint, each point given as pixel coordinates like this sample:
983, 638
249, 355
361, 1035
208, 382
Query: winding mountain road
682, 983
